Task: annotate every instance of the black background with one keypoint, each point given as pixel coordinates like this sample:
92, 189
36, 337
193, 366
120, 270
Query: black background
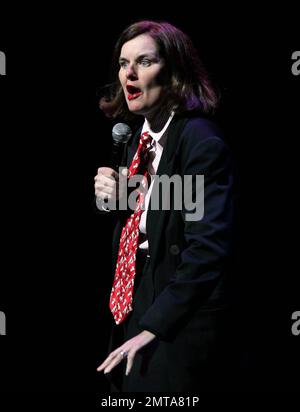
55, 260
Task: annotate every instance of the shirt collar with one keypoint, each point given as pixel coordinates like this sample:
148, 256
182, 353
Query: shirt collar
157, 136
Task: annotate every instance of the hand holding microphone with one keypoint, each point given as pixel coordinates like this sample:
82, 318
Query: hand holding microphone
109, 185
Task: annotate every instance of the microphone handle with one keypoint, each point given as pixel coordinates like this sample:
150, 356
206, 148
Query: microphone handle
116, 155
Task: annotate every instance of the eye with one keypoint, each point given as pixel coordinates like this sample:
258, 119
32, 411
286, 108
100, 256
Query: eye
145, 62
123, 64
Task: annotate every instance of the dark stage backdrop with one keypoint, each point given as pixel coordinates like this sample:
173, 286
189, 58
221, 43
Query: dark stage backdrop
55, 260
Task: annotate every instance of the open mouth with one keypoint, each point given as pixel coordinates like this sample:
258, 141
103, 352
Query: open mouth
133, 92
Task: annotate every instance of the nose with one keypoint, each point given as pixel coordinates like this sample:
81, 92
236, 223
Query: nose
131, 72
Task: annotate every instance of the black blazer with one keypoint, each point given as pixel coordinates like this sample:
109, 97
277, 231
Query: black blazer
190, 261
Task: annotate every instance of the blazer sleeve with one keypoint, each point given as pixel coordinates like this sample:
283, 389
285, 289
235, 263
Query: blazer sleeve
208, 241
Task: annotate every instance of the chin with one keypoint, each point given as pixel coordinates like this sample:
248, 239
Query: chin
136, 109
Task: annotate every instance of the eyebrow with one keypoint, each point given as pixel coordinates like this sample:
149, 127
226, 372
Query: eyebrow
140, 56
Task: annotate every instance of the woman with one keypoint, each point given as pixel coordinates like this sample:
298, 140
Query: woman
169, 335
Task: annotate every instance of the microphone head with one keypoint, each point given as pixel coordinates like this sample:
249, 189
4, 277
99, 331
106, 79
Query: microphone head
121, 133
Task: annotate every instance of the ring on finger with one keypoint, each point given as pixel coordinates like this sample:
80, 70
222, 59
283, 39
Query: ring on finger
123, 353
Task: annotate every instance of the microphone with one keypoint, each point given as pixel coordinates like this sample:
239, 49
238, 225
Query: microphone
121, 133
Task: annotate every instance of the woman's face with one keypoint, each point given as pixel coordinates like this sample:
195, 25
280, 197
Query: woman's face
142, 75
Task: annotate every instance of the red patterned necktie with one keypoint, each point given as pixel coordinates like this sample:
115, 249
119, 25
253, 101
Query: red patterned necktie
122, 289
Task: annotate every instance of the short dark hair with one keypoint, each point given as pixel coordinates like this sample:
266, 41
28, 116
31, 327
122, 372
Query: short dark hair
189, 88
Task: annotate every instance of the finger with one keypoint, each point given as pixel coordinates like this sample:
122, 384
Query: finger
107, 361
111, 356
116, 353
104, 188
107, 181
103, 195
114, 358
104, 364
109, 173
130, 360
118, 358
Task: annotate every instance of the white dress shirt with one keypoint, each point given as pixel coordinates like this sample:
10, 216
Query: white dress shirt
155, 153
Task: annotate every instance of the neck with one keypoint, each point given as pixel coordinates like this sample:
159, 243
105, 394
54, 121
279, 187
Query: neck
158, 120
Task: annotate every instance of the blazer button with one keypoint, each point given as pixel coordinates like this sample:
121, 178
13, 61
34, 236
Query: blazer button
174, 249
